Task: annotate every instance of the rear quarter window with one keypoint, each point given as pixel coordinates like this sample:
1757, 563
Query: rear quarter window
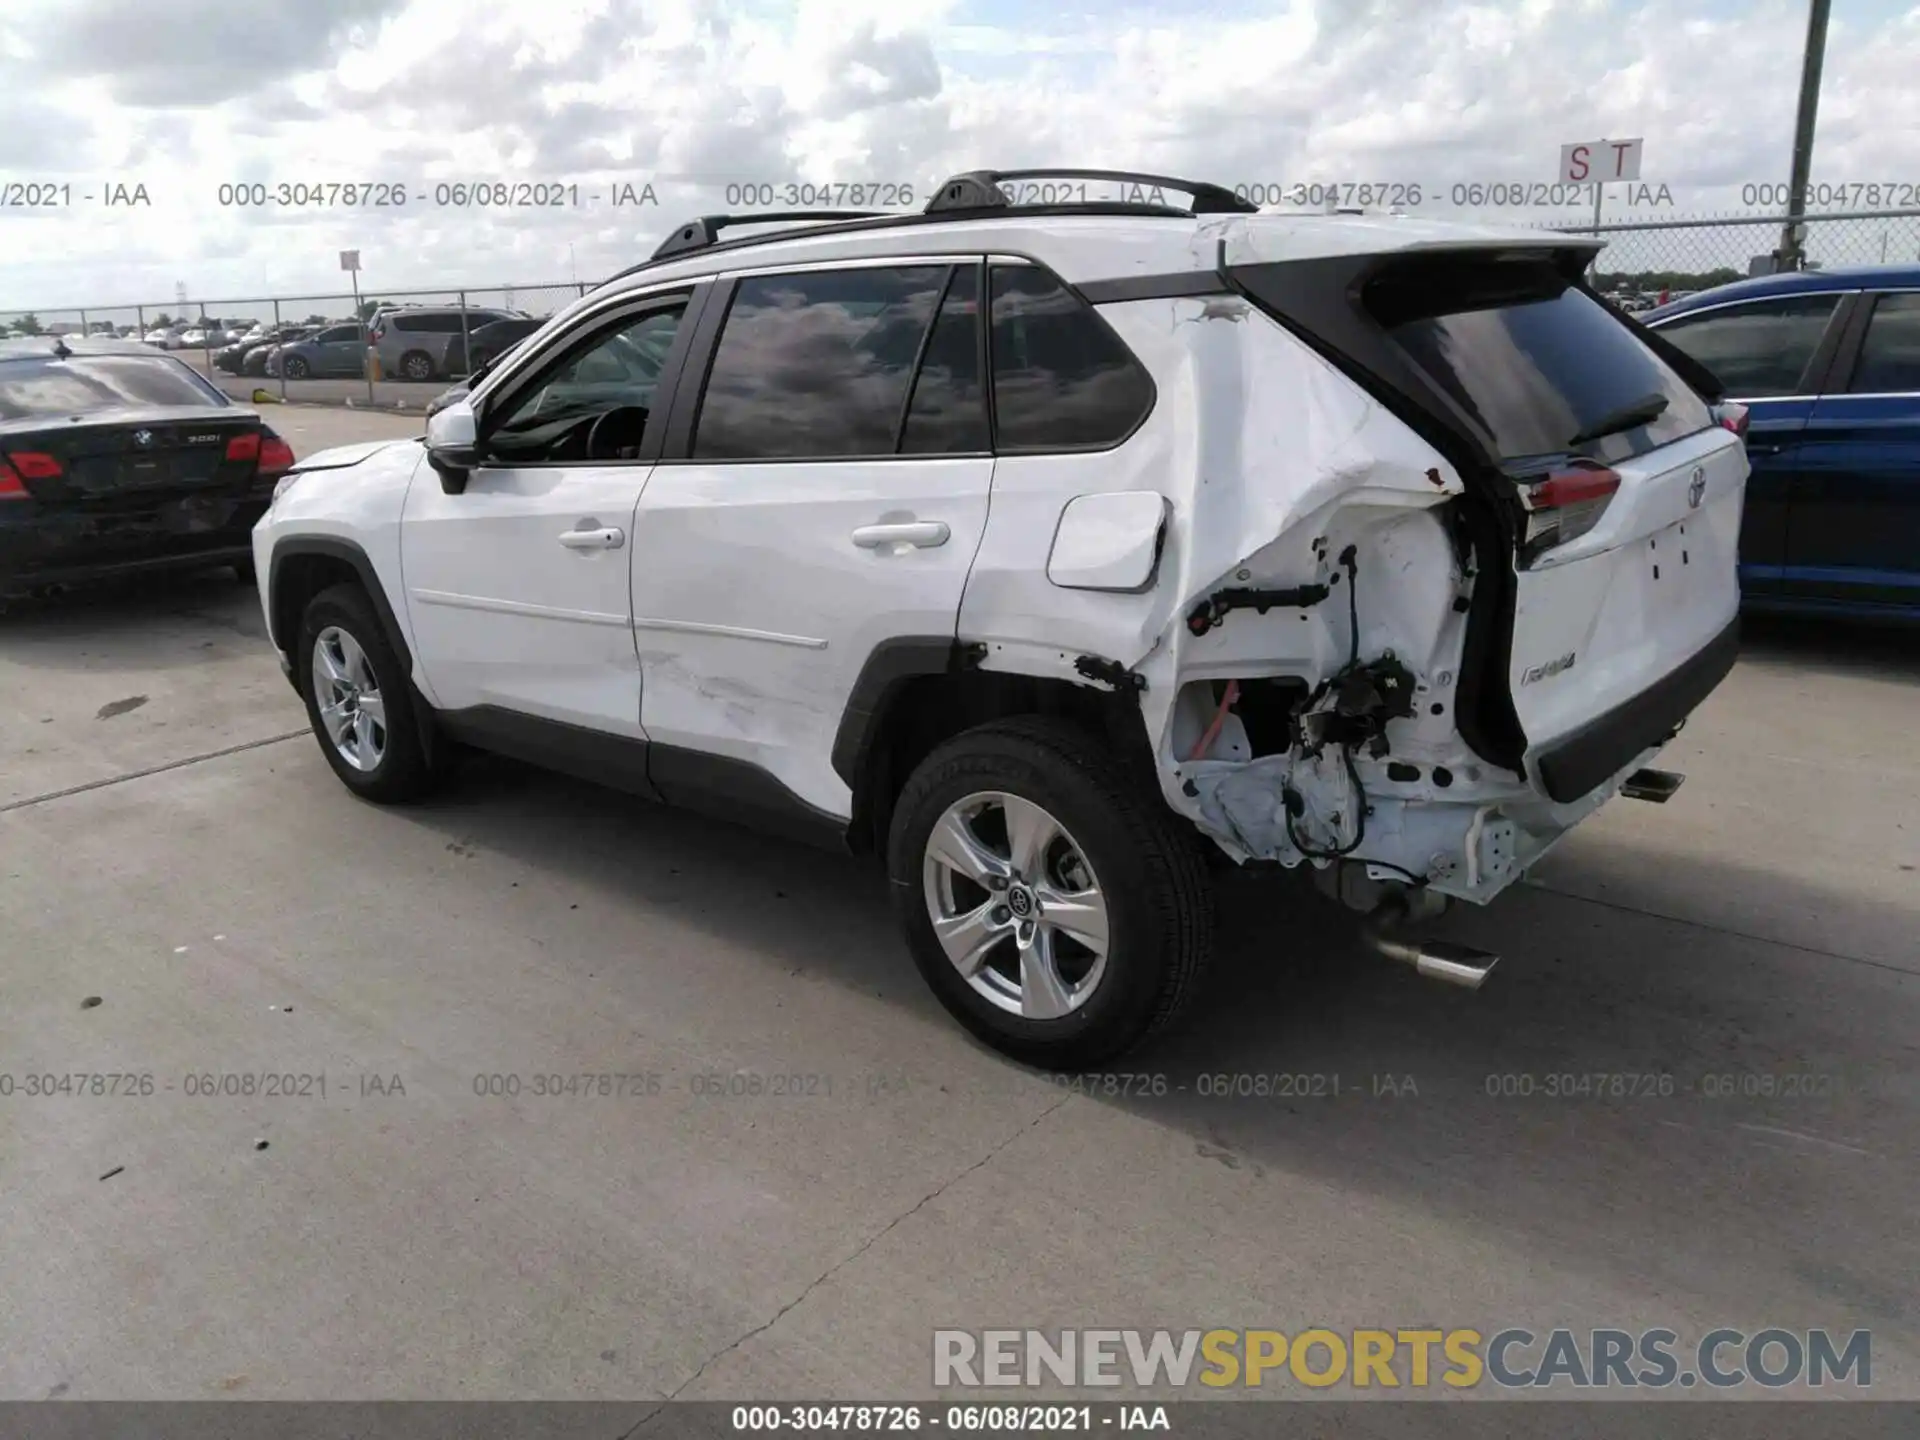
1531, 358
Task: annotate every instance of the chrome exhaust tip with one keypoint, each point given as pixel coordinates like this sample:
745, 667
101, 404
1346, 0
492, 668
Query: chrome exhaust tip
1441, 960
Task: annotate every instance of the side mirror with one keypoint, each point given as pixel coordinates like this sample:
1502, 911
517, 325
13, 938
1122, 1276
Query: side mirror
452, 447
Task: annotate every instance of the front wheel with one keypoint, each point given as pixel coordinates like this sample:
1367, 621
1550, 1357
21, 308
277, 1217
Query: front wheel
1057, 908
294, 368
359, 700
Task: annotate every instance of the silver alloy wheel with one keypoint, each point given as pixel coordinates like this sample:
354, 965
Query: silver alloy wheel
418, 367
1016, 905
347, 694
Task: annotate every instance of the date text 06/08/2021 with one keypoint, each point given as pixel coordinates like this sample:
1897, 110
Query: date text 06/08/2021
909, 1416
395, 195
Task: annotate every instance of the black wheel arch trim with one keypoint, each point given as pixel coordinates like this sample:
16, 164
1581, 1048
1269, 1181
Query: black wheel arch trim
333, 548
888, 668
1579, 763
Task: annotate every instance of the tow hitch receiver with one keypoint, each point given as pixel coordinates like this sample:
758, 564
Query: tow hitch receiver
1441, 960
1656, 786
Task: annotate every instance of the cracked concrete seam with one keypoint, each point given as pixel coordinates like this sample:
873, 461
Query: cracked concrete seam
855, 1254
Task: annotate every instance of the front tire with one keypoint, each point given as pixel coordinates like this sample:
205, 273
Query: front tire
294, 368
360, 701
1056, 907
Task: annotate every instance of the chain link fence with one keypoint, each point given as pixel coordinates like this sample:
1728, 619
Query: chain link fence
1652, 257
325, 354
312, 348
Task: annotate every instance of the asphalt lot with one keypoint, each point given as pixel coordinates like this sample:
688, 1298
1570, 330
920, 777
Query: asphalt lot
172, 843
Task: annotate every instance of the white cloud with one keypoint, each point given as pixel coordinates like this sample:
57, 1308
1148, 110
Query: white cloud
186, 95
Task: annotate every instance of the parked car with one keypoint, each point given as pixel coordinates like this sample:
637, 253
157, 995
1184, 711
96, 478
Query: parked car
194, 339
336, 350
486, 342
1828, 365
460, 390
235, 358
413, 344
113, 458
1045, 577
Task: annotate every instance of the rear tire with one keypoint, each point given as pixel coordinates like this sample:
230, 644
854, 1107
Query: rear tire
294, 368
1059, 1003
416, 365
360, 700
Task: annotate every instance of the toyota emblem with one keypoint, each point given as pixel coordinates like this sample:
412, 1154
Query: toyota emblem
143, 438
1697, 489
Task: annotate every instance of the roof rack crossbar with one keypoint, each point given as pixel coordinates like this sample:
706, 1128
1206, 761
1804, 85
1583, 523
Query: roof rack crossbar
981, 190
700, 233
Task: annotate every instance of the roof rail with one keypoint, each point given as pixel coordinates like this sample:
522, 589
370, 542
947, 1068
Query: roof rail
699, 234
983, 190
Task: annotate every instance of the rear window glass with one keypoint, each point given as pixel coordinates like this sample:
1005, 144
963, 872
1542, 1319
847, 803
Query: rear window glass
37, 387
1535, 360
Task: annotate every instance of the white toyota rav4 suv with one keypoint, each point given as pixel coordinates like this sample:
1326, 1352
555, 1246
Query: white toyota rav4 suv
1051, 552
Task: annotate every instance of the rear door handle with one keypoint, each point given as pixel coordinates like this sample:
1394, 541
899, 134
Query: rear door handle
608, 539
923, 534
1763, 449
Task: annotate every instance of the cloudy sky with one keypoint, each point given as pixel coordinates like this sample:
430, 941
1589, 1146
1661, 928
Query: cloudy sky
184, 96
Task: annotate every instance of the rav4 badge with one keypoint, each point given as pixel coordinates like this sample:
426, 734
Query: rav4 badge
1548, 670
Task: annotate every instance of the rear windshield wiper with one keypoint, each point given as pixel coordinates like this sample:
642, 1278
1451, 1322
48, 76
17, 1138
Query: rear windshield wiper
1633, 414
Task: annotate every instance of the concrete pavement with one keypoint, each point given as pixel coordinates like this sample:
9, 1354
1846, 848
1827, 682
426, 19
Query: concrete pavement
409, 1234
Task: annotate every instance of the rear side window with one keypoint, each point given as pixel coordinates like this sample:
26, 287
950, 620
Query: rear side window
1758, 349
948, 412
1533, 359
1890, 355
1061, 379
34, 388
816, 364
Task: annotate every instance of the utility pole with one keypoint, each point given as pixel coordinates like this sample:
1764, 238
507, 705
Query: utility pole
1792, 253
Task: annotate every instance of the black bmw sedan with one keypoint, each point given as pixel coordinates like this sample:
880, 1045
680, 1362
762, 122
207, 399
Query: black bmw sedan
115, 457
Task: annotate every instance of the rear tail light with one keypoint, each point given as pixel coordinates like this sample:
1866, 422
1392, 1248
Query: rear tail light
244, 447
1564, 504
1731, 416
276, 456
11, 486
35, 465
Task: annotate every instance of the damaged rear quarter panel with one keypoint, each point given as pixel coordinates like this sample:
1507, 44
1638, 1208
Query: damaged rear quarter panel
1274, 463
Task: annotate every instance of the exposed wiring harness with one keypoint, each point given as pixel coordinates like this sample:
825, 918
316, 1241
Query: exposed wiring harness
1294, 804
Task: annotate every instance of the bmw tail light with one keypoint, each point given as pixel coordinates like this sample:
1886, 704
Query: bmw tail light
1563, 504
276, 456
244, 447
35, 465
11, 485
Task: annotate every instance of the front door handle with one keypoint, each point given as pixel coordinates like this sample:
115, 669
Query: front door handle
923, 534
608, 539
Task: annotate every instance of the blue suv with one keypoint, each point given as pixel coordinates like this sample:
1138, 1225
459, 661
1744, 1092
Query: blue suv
1828, 364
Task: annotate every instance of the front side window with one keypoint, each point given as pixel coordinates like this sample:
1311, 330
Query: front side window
340, 335
816, 364
1061, 379
595, 402
1758, 349
1890, 355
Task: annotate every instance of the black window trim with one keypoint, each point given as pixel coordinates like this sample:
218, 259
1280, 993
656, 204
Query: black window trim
581, 337
920, 360
1853, 345
1820, 363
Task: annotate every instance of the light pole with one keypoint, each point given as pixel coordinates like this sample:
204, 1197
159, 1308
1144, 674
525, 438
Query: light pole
1792, 253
